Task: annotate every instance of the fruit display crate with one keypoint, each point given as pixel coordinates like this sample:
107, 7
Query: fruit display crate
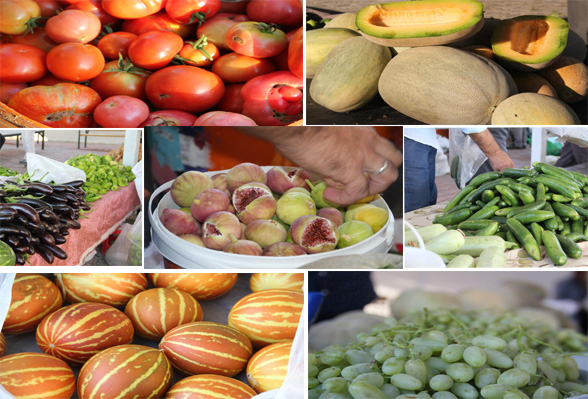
188, 255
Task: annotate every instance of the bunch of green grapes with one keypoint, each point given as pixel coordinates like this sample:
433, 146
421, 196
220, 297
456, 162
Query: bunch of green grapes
416, 361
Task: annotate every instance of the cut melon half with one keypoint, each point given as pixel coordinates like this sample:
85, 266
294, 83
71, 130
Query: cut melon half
530, 41
420, 23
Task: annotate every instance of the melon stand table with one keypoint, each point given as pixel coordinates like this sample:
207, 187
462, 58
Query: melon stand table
102, 220
216, 310
514, 258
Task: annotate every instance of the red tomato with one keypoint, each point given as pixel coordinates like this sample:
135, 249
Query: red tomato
121, 78
217, 27
131, 9
281, 60
47, 80
199, 53
232, 100
116, 43
75, 62
222, 118
169, 118
16, 15
95, 7
20, 63
190, 11
159, 21
235, 68
73, 26
256, 39
281, 12
121, 112
65, 105
274, 99
184, 88
8, 90
48, 8
234, 6
37, 38
296, 54
154, 50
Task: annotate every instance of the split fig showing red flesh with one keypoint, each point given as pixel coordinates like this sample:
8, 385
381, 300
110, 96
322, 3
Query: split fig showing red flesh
314, 233
208, 202
179, 222
253, 201
218, 228
265, 232
243, 247
187, 186
245, 173
284, 249
279, 180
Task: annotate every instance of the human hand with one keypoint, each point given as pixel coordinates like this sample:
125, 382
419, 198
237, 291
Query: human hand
500, 161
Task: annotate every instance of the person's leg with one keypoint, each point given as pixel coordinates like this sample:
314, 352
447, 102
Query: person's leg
419, 172
580, 154
566, 156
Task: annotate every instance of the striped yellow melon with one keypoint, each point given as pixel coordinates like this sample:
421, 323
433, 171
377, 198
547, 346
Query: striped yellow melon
124, 372
30, 375
77, 332
206, 348
210, 386
114, 289
33, 298
268, 316
202, 286
156, 311
2, 344
267, 369
268, 281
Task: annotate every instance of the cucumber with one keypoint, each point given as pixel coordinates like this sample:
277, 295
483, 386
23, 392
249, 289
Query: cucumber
540, 193
581, 202
476, 194
475, 224
537, 230
560, 198
518, 187
457, 208
489, 230
454, 217
533, 216
507, 195
516, 173
491, 257
553, 248
462, 261
526, 197
501, 234
565, 211
505, 211
575, 237
524, 237
483, 178
484, 213
446, 243
581, 211
577, 226
459, 197
426, 233
572, 249
535, 206
474, 245
579, 177
555, 186
567, 228
550, 224
487, 195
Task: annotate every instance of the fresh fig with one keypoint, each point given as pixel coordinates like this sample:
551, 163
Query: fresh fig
187, 186
333, 214
244, 173
179, 222
265, 232
314, 233
218, 227
298, 190
280, 180
280, 221
194, 239
352, 232
316, 192
220, 182
208, 202
243, 247
284, 249
186, 209
373, 215
253, 201
293, 205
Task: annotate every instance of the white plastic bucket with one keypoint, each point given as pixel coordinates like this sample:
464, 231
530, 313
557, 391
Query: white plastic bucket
420, 258
188, 255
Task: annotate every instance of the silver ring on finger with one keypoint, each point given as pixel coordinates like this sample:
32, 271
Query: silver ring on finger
381, 170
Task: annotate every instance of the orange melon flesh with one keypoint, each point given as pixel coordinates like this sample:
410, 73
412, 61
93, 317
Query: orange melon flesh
411, 19
530, 39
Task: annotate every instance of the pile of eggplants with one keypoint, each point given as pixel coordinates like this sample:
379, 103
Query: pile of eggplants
35, 217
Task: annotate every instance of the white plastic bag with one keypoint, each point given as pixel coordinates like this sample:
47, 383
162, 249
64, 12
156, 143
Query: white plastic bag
138, 172
135, 237
45, 169
575, 135
118, 253
465, 157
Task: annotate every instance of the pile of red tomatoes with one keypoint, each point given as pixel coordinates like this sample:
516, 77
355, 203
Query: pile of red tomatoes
135, 63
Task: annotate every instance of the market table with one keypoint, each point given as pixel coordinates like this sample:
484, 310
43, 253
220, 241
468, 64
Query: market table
514, 258
106, 215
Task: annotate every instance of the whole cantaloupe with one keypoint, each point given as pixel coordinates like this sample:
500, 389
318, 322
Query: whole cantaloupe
320, 42
569, 77
348, 77
530, 82
445, 86
534, 109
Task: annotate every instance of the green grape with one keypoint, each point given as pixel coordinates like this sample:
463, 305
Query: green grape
437, 335
405, 381
363, 390
474, 356
495, 391
377, 347
354, 356
329, 372
313, 382
570, 368
361, 337
336, 395
436, 363
515, 394
417, 369
490, 342
546, 392
435, 345
452, 353
313, 370
312, 359
464, 390
498, 359
374, 379
332, 357
514, 377
487, 377
401, 353
422, 352
371, 341
393, 366
390, 391
574, 387
335, 384
356, 369
444, 395
383, 354
441, 382
526, 362
314, 393
561, 375
460, 372
548, 371
407, 396
554, 360
423, 395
